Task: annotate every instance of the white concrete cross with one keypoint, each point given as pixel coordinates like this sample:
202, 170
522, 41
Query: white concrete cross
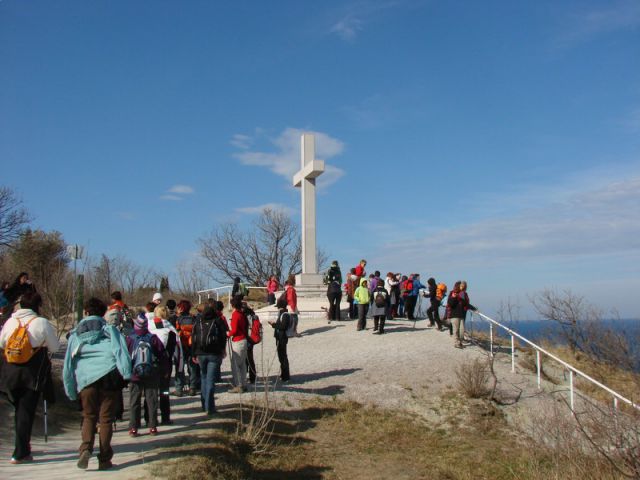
306, 180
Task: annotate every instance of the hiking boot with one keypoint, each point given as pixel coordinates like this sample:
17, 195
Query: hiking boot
166, 422
177, 393
105, 465
16, 461
153, 431
133, 432
83, 461
237, 390
458, 345
192, 392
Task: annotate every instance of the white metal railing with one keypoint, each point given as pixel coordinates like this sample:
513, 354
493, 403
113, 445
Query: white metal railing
572, 370
217, 290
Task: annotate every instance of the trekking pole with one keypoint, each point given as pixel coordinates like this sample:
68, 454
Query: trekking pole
46, 436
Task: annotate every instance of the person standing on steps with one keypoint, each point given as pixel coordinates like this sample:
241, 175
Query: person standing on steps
280, 326
333, 280
379, 306
361, 296
96, 368
238, 334
26, 373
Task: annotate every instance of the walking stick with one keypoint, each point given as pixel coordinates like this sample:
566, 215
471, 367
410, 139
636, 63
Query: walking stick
46, 436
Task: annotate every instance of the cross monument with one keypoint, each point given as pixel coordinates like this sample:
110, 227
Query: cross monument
306, 180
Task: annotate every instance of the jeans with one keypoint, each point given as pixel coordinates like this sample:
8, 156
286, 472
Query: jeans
238, 363
98, 407
334, 305
209, 365
24, 402
194, 373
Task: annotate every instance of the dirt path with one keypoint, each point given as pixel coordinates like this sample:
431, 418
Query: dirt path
405, 369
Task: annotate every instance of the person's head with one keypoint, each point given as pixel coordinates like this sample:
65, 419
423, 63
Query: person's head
184, 306
30, 300
23, 278
371, 276
404, 278
94, 307
363, 283
157, 298
334, 264
456, 286
140, 321
376, 273
463, 285
416, 276
161, 312
236, 280
150, 307
209, 313
390, 275
116, 296
236, 302
171, 304
211, 302
219, 306
272, 278
431, 281
200, 307
291, 279
363, 262
281, 304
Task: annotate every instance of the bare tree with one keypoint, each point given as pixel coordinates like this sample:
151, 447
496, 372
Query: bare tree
13, 217
189, 278
271, 247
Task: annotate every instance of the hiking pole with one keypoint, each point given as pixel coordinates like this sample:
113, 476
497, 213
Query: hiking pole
46, 436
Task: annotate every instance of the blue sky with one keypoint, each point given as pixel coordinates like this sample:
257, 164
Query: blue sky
493, 141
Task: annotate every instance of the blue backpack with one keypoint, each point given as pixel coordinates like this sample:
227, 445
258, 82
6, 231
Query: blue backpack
143, 360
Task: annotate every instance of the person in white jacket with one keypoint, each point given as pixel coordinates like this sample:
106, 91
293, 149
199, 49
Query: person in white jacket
168, 335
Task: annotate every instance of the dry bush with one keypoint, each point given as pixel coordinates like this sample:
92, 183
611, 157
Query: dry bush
473, 378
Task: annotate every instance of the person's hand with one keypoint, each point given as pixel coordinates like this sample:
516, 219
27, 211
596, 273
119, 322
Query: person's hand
194, 360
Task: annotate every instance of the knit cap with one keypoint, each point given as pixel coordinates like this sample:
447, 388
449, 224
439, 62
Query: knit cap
140, 321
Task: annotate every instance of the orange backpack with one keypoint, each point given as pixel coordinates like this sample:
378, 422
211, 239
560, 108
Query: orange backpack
441, 291
19, 348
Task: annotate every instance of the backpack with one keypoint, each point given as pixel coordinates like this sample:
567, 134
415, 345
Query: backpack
407, 287
18, 348
255, 334
380, 299
185, 330
441, 291
213, 339
143, 360
293, 325
244, 290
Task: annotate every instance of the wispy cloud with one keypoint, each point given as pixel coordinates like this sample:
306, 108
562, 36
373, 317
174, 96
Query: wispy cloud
260, 208
285, 160
241, 141
173, 198
347, 28
350, 20
126, 215
181, 189
587, 24
591, 223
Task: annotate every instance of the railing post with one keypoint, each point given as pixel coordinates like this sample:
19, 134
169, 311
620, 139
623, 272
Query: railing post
513, 355
571, 388
538, 367
199, 298
491, 338
615, 403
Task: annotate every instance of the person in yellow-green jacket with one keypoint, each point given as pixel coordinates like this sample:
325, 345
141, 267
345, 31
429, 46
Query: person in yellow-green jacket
361, 297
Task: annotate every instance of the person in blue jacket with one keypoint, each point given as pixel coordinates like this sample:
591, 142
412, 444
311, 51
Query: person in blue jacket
412, 298
96, 366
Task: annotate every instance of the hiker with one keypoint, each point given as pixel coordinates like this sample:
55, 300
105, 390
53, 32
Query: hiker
350, 289
149, 363
379, 307
292, 299
457, 307
4, 303
392, 285
280, 326
239, 289
96, 368
361, 297
432, 312
238, 334
403, 295
219, 308
157, 299
412, 295
251, 364
185, 323
27, 370
20, 286
208, 350
333, 280
360, 271
171, 312
119, 315
168, 335
272, 288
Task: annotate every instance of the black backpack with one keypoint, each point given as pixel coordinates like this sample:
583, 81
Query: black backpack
380, 299
210, 336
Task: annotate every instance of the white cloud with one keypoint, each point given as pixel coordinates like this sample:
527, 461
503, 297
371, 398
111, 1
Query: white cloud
126, 215
592, 223
347, 28
241, 141
285, 161
173, 198
181, 189
260, 208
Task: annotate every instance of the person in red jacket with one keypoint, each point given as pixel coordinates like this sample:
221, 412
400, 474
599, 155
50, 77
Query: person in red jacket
272, 288
238, 334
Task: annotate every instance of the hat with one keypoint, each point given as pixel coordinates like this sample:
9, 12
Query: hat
157, 297
141, 321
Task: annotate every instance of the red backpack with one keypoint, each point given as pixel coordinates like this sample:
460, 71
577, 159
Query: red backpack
255, 332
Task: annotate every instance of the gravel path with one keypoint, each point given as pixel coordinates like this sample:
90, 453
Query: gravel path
404, 369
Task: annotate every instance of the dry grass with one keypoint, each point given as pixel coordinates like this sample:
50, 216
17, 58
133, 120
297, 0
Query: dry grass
473, 378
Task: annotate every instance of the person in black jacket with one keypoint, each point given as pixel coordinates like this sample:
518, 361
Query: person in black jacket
280, 327
333, 281
457, 307
208, 343
432, 311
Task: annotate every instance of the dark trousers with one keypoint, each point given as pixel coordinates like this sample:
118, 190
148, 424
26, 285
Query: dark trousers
334, 305
401, 305
251, 364
210, 364
194, 373
352, 309
362, 315
164, 400
24, 402
283, 358
378, 323
98, 407
271, 298
136, 389
434, 314
410, 306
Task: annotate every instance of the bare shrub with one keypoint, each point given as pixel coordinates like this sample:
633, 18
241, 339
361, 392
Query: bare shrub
473, 378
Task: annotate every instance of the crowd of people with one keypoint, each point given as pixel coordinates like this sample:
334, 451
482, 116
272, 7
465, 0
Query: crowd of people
113, 348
